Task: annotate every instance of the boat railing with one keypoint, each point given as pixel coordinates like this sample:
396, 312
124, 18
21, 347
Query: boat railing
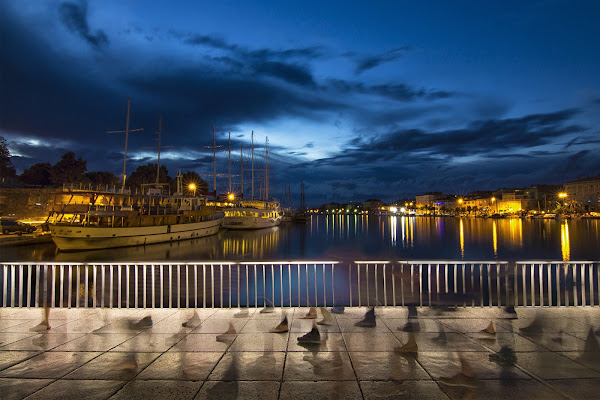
301, 283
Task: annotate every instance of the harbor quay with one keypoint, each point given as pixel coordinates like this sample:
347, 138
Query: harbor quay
535, 353
310, 330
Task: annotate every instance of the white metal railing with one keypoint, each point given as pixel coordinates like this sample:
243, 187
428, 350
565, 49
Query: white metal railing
300, 283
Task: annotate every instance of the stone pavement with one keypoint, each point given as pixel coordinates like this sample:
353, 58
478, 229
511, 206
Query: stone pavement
99, 354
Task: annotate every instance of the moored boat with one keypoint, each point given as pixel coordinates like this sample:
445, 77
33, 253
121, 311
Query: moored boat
253, 214
86, 220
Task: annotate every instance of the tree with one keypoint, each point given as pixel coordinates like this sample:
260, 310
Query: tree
102, 178
145, 174
68, 169
38, 175
7, 169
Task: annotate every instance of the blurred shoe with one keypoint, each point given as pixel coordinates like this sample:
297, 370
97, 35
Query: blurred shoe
243, 313
311, 314
143, 323
193, 322
312, 337
591, 344
491, 330
42, 326
128, 366
412, 312
337, 310
267, 310
227, 336
282, 327
408, 347
534, 328
510, 312
460, 379
327, 317
369, 320
410, 326
505, 357
441, 338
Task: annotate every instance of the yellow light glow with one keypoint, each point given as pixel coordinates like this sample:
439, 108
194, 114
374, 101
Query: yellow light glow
394, 209
562, 195
231, 197
192, 186
565, 243
460, 201
493, 199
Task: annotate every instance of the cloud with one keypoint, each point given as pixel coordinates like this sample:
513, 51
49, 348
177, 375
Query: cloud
394, 91
74, 17
367, 63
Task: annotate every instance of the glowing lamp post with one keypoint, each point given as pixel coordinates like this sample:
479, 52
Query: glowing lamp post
192, 188
231, 197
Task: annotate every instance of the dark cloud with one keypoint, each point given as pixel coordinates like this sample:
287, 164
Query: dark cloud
290, 73
368, 63
74, 17
394, 91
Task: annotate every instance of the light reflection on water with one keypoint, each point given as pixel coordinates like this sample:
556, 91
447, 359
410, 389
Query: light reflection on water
356, 237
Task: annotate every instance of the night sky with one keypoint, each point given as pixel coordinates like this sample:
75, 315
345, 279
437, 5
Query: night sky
358, 99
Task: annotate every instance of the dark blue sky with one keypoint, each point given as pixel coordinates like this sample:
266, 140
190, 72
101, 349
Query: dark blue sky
383, 100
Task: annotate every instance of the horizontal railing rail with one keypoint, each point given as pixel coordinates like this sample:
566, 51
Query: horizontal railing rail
300, 284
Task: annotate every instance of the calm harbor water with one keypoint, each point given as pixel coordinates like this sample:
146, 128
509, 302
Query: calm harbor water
349, 237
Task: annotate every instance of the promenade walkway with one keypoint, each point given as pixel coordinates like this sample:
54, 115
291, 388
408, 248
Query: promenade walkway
99, 354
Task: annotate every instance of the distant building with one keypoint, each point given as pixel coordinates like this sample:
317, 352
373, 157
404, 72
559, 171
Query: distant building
585, 191
427, 199
372, 205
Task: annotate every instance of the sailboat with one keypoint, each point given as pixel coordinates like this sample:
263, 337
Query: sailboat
255, 213
98, 219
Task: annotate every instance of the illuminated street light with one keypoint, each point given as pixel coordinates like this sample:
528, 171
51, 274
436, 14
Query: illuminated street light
231, 197
192, 188
562, 195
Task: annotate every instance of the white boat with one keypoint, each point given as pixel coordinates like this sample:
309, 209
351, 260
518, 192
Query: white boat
98, 220
253, 214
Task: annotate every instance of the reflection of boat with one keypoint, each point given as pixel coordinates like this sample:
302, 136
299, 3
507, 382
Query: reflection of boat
84, 220
204, 248
250, 244
253, 215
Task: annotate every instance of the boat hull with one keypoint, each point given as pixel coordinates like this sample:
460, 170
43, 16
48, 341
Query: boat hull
74, 237
250, 222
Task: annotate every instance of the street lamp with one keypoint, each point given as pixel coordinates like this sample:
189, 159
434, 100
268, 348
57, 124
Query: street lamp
493, 201
192, 188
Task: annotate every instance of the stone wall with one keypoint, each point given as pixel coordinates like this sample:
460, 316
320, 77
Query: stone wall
26, 203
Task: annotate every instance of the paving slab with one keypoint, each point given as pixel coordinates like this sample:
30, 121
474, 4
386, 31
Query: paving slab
102, 353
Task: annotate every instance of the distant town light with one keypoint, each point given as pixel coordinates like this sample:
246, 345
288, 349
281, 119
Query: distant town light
562, 195
231, 196
394, 209
403, 210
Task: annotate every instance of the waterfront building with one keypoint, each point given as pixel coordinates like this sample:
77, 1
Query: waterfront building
427, 199
585, 191
372, 205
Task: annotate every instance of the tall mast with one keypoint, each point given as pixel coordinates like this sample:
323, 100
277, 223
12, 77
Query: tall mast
229, 162
242, 166
214, 162
252, 147
158, 163
267, 169
126, 139
126, 131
